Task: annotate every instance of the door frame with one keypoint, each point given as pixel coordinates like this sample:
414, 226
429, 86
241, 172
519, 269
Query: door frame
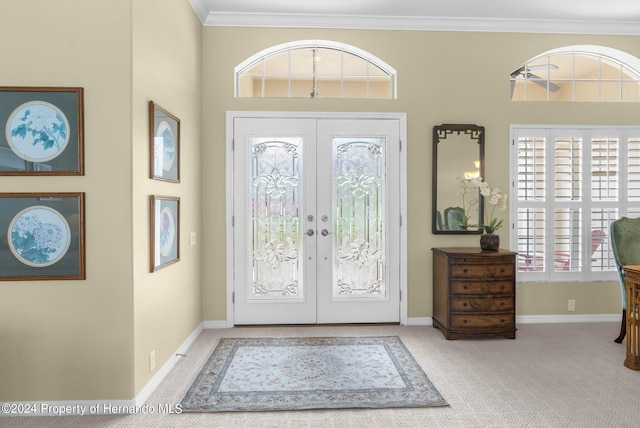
231, 115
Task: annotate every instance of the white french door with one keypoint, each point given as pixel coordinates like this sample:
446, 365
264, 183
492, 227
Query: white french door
316, 220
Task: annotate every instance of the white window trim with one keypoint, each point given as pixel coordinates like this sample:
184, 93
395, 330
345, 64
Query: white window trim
614, 55
328, 44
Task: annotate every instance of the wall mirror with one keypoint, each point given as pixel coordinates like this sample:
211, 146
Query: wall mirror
458, 157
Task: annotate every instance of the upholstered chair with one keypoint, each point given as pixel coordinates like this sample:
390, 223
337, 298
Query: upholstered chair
453, 218
625, 243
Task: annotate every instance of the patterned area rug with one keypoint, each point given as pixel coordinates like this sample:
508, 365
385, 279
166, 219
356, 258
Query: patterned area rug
261, 374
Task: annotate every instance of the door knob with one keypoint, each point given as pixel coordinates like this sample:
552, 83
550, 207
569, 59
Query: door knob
310, 232
324, 232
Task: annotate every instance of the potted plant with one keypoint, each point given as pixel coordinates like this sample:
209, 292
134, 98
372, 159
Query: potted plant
493, 198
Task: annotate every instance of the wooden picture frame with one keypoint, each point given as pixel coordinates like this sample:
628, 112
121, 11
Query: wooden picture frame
42, 131
165, 231
42, 236
164, 144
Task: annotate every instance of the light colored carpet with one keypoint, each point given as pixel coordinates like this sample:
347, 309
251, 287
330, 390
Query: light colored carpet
301, 373
552, 375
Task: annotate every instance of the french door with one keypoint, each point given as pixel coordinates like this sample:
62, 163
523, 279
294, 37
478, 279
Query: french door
316, 220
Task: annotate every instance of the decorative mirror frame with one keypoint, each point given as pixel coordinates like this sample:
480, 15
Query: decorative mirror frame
476, 135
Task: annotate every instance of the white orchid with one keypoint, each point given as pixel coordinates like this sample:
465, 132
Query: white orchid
469, 199
492, 197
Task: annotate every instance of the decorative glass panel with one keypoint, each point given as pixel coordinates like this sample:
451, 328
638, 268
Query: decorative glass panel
275, 237
359, 218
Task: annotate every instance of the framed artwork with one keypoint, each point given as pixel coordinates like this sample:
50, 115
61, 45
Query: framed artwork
42, 236
42, 131
165, 231
164, 144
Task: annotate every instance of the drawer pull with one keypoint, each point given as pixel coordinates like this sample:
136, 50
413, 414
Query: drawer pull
502, 270
501, 303
502, 321
502, 287
464, 321
465, 287
464, 270
464, 304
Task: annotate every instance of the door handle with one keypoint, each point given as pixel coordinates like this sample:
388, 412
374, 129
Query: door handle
310, 232
324, 232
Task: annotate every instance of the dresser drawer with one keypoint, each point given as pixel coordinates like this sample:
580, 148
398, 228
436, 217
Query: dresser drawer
474, 292
481, 304
482, 321
485, 271
482, 287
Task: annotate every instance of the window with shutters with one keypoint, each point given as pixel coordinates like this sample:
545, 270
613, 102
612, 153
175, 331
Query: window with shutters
568, 185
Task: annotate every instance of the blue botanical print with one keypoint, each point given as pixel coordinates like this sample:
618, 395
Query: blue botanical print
34, 240
168, 146
44, 125
167, 232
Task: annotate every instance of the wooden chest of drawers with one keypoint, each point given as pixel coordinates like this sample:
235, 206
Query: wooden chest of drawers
474, 292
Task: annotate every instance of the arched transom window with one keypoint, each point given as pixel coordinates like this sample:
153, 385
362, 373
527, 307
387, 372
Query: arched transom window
578, 73
315, 69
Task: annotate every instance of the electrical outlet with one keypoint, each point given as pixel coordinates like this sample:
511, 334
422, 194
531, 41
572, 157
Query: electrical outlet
572, 305
152, 360
192, 238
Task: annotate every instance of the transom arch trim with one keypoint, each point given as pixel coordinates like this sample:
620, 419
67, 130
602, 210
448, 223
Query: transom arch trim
587, 73
624, 58
262, 55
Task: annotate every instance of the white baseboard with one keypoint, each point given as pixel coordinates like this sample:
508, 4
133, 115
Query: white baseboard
540, 319
104, 407
420, 321
217, 324
155, 381
550, 319
520, 319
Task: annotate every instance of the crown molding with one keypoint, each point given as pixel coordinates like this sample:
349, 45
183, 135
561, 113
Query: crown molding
200, 9
418, 23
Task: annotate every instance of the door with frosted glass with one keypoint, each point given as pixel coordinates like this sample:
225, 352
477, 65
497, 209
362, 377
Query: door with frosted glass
316, 221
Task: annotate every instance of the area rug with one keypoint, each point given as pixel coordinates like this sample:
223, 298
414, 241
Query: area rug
266, 374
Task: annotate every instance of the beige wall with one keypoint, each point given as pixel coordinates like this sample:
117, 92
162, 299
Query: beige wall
167, 69
443, 77
67, 340
90, 340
